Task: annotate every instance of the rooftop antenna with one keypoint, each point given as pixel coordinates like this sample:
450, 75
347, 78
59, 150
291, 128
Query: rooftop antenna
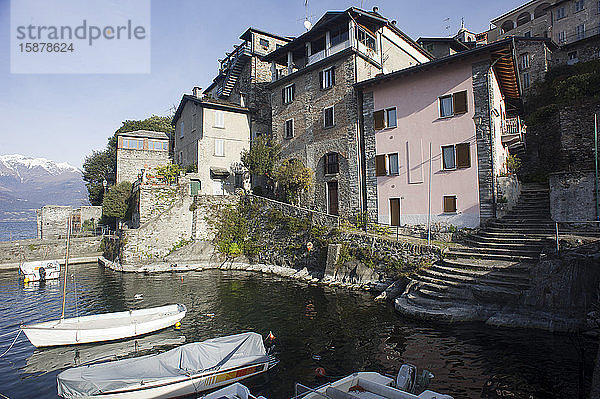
462, 23
447, 21
307, 16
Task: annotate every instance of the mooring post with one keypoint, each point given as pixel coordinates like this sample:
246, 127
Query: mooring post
557, 242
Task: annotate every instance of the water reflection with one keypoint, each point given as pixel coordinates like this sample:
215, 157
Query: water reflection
337, 330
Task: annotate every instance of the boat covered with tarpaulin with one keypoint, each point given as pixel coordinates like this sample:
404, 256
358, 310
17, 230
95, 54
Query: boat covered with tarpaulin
186, 370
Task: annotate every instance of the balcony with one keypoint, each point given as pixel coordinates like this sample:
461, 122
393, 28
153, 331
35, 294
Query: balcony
512, 131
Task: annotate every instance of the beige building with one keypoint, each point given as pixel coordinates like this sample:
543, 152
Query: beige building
212, 134
140, 152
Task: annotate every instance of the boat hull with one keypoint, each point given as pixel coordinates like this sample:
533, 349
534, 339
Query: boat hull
103, 327
188, 385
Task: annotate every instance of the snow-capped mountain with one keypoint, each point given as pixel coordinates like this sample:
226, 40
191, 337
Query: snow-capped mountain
28, 183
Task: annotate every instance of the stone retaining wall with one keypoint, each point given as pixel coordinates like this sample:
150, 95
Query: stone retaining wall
35, 249
315, 217
573, 196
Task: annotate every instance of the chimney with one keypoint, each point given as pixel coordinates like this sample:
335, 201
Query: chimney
375, 9
197, 91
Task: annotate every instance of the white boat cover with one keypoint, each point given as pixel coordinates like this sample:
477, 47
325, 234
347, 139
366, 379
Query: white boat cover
186, 360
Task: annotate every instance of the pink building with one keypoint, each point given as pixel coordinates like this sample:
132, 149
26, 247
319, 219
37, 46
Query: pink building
433, 137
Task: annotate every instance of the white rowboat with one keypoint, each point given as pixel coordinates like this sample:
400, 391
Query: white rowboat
186, 370
40, 270
233, 391
104, 326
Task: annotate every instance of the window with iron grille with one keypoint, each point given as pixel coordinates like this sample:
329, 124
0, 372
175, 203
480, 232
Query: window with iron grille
332, 164
580, 31
579, 5
287, 93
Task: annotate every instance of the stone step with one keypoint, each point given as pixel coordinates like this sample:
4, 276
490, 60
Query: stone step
507, 238
517, 210
498, 256
500, 233
507, 275
479, 292
497, 250
451, 277
486, 265
529, 231
511, 246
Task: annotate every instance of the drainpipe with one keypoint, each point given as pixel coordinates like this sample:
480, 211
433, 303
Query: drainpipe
596, 162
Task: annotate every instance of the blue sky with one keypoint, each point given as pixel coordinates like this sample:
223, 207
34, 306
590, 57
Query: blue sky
65, 117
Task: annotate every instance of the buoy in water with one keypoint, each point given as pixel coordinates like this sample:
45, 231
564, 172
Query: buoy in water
309, 246
138, 296
178, 326
26, 280
320, 371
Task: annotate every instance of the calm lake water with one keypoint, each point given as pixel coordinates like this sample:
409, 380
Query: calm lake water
346, 332
17, 230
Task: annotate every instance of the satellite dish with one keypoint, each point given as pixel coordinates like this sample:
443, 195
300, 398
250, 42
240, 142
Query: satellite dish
307, 24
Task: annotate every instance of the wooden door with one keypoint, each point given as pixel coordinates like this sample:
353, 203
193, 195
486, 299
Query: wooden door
332, 198
395, 211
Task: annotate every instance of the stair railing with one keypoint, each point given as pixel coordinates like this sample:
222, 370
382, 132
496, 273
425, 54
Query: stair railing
582, 222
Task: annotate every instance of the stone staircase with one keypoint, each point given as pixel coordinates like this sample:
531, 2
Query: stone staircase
491, 272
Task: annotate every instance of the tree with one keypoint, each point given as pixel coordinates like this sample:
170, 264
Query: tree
262, 157
101, 165
293, 178
169, 172
116, 202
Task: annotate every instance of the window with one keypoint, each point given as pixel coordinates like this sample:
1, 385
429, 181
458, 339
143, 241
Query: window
446, 106
560, 13
572, 58
289, 128
365, 38
287, 93
181, 129
219, 150
386, 165
526, 80
580, 31
448, 157
328, 120
562, 37
527, 34
332, 164
327, 78
242, 100
339, 35
133, 144
156, 145
219, 119
264, 42
390, 117
579, 5
385, 118
525, 60
238, 181
449, 203
393, 168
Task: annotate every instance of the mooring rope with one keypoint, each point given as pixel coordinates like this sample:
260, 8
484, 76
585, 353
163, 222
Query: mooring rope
13, 343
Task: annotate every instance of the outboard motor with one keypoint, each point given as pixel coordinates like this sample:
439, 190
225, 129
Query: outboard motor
406, 378
42, 273
424, 380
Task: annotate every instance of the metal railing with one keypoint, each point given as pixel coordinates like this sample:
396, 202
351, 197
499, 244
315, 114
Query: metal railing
301, 391
595, 230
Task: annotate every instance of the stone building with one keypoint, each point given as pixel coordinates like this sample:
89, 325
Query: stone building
243, 76
211, 134
140, 152
52, 220
564, 21
435, 133
444, 46
315, 107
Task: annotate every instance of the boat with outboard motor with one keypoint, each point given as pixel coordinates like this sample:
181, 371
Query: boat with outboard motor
186, 370
372, 385
40, 270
